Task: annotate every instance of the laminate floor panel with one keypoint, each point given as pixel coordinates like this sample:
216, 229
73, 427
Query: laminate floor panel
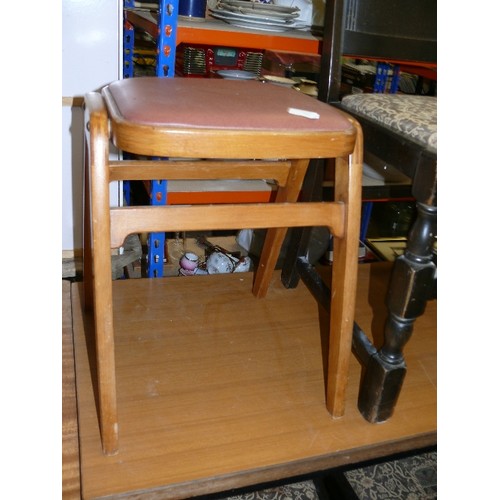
220, 390
70, 449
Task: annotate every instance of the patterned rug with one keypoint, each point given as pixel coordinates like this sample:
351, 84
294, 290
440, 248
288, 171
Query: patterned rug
411, 477
304, 490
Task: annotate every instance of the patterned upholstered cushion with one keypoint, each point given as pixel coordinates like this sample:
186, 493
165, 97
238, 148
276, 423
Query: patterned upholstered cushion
412, 115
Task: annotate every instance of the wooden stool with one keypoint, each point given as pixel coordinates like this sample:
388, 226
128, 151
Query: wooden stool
241, 130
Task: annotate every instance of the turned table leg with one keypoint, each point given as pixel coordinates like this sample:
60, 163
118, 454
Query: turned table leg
412, 285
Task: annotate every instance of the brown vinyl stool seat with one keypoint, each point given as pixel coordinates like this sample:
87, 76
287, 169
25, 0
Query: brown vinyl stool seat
241, 130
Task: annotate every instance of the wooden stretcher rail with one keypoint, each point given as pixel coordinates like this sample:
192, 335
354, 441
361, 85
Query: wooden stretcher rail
130, 220
204, 169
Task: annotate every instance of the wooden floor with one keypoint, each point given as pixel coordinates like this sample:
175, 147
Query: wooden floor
70, 449
219, 390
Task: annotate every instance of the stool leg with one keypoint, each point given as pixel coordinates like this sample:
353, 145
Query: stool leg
275, 236
344, 279
412, 284
102, 282
88, 285
103, 320
299, 236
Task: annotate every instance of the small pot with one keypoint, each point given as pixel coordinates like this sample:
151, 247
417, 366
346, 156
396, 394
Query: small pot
189, 261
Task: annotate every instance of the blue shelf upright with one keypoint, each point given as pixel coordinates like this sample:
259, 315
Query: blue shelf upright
128, 49
156, 241
167, 36
165, 68
128, 72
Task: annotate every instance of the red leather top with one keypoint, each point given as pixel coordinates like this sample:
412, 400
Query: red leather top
219, 104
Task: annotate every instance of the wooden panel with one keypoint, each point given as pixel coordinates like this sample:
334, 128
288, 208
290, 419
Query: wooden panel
218, 389
70, 451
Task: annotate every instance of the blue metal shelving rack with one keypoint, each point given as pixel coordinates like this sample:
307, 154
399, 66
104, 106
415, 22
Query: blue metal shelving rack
128, 49
167, 36
165, 68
